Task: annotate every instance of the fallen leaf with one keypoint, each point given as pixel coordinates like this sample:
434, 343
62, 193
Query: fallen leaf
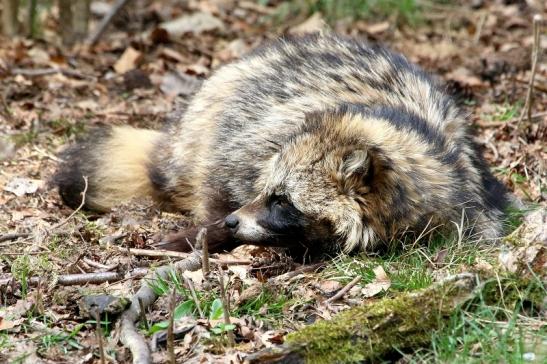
175, 83
381, 283
23, 186
377, 27
196, 23
314, 23
7, 149
128, 61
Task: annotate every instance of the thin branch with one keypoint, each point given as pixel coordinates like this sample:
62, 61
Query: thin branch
90, 278
536, 52
194, 295
160, 253
107, 19
10, 237
99, 331
171, 329
344, 290
225, 306
201, 241
128, 332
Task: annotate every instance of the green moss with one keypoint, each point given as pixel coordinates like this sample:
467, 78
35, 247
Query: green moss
377, 328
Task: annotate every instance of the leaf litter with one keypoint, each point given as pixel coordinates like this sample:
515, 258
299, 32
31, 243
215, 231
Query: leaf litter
142, 73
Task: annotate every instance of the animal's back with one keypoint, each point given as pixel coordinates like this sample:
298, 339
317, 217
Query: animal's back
248, 107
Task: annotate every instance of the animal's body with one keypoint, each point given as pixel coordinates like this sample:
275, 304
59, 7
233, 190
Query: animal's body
311, 140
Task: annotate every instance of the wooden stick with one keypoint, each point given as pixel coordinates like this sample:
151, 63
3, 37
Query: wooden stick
201, 241
15, 236
344, 290
194, 295
171, 329
225, 306
160, 253
536, 52
129, 335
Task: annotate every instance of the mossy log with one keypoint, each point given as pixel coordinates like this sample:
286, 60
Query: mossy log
374, 329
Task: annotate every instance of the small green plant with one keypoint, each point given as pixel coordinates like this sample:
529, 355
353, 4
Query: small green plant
66, 340
21, 270
404, 11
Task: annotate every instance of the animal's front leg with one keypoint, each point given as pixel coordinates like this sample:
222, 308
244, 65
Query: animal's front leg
219, 238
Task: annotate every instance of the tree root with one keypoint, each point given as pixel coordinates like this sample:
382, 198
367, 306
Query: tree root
129, 336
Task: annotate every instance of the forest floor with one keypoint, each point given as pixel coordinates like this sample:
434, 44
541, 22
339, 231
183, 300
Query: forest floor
135, 75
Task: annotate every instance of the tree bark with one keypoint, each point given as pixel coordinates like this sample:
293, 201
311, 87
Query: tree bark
10, 11
65, 22
32, 11
81, 19
369, 332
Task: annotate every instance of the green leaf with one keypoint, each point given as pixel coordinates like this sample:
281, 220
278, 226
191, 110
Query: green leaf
216, 310
186, 308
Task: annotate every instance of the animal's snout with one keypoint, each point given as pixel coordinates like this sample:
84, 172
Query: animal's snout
232, 221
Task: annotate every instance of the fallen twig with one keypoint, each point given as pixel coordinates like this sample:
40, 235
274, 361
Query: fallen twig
201, 241
344, 290
107, 19
90, 278
10, 237
225, 306
174, 254
99, 332
536, 52
94, 264
38, 72
194, 296
170, 329
128, 333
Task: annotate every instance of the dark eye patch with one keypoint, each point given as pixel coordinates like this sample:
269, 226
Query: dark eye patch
282, 217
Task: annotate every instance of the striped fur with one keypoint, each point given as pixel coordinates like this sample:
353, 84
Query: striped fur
313, 140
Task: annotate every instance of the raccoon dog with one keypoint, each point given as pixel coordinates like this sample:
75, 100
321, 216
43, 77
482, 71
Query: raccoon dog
321, 141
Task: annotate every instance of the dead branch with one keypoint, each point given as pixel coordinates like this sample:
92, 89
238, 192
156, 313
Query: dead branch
201, 241
90, 278
170, 329
536, 52
344, 290
375, 328
10, 237
101, 28
129, 336
194, 296
225, 306
39, 72
160, 253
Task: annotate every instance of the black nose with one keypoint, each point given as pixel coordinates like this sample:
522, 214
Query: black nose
231, 221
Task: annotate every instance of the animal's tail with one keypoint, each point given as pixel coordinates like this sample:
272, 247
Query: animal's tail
116, 163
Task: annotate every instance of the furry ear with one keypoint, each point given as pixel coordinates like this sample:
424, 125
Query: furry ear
356, 170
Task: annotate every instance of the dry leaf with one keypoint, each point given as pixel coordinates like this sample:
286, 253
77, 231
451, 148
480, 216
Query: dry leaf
128, 61
381, 283
314, 23
23, 186
195, 23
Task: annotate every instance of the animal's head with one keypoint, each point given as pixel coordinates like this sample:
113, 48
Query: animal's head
335, 180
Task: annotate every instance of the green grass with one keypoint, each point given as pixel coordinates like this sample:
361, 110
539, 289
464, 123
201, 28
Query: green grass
268, 306
404, 11
504, 328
